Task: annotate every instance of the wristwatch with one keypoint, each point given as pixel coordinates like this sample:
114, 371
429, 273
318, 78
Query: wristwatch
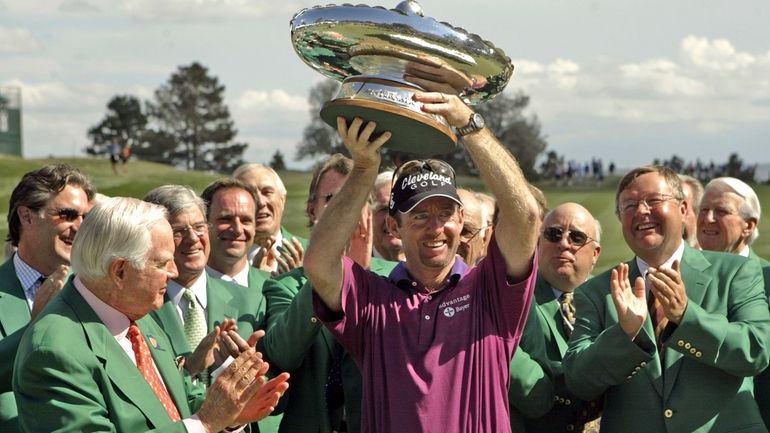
475, 123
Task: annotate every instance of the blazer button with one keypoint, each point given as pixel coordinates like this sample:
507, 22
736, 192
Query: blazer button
637, 368
668, 413
680, 343
692, 350
687, 345
567, 402
698, 354
570, 427
313, 320
643, 364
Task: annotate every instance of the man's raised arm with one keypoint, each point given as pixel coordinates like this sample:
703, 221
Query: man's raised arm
515, 231
323, 258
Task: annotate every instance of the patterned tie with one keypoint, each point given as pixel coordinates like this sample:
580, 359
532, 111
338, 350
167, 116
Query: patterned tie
36, 285
146, 366
194, 320
567, 312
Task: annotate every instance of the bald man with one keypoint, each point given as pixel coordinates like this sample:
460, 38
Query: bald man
568, 250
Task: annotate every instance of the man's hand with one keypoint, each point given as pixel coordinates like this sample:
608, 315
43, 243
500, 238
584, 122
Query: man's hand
232, 344
204, 355
265, 259
232, 391
451, 107
630, 302
668, 287
264, 401
49, 289
437, 77
292, 254
365, 153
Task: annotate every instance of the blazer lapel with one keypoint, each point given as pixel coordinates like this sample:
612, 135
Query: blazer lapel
121, 371
168, 319
13, 301
550, 313
653, 369
218, 303
164, 360
695, 282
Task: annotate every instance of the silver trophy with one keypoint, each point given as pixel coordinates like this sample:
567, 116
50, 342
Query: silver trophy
370, 49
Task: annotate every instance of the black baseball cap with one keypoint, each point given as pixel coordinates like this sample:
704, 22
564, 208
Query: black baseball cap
418, 180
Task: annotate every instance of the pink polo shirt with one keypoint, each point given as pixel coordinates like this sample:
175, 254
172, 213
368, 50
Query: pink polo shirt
433, 362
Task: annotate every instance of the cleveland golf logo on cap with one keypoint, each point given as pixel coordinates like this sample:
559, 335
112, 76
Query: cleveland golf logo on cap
426, 180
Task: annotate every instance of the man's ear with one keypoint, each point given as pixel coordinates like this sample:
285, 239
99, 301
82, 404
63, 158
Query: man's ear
392, 225
117, 271
311, 213
25, 214
748, 229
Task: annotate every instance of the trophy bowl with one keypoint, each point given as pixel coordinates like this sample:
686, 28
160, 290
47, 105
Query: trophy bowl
370, 49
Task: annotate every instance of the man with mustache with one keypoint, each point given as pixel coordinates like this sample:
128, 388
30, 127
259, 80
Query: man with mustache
568, 250
44, 214
672, 337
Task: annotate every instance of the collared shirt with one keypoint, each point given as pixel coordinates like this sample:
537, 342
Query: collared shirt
745, 251
28, 277
255, 249
176, 294
643, 266
241, 278
117, 324
433, 361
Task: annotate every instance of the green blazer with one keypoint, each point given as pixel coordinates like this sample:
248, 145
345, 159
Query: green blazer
762, 381
14, 318
224, 299
564, 411
705, 383
71, 375
297, 342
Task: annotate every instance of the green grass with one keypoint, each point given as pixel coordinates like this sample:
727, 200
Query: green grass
143, 176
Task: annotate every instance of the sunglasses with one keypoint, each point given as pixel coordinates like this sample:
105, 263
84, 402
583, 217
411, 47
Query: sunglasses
417, 165
576, 237
68, 214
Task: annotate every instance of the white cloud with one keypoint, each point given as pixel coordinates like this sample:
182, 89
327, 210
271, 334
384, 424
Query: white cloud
663, 77
271, 100
185, 10
16, 40
528, 67
78, 6
564, 73
716, 55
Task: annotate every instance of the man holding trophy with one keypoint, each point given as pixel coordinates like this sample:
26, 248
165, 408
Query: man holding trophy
435, 339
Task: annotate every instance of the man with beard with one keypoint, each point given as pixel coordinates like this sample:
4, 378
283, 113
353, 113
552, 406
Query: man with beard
44, 214
672, 337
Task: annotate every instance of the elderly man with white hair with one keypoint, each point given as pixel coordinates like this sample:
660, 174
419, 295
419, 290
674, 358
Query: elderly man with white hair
728, 221
93, 361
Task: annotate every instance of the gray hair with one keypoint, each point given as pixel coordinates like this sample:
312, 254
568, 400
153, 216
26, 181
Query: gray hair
115, 228
697, 189
176, 199
750, 208
246, 169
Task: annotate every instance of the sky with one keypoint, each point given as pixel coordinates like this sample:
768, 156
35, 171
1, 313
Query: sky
627, 81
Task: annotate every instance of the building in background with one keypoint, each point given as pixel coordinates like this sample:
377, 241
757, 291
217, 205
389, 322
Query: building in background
10, 120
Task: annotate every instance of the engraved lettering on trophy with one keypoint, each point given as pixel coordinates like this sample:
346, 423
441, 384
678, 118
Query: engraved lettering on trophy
390, 95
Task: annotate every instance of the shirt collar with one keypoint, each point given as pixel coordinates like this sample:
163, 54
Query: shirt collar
115, 321
745, 251
242, 277
677, 256
401, 278
198, 287
27, 274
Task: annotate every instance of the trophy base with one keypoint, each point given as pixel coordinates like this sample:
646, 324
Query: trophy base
412, 130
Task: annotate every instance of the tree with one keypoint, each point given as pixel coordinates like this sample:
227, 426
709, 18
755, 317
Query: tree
277, 163
124, 124
503, 115
191, 123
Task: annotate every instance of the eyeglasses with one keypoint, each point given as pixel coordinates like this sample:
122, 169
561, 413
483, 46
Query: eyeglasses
468, 233
650, 202
67, 214
180, 232
415, 165
576, 237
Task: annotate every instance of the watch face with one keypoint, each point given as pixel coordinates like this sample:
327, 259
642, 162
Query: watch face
478, 121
